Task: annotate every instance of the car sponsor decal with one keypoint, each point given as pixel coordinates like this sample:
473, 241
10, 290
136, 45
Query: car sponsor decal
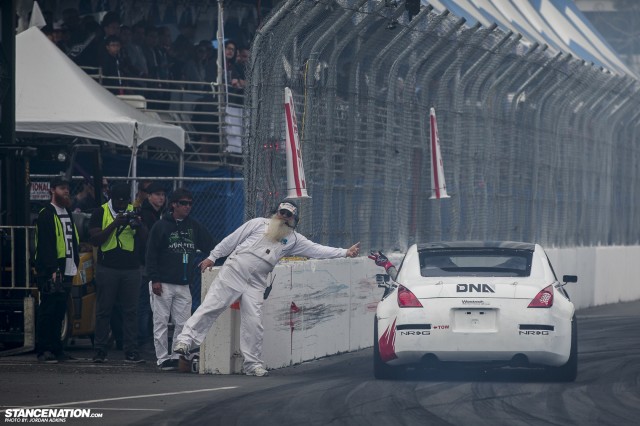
539, 327
386, 343
533, 333
474, 302
413, 327
415, 333
475, 288
441, 327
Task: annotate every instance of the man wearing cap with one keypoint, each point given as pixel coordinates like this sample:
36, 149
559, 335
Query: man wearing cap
56, 264
151, 210
254, 249
118, 233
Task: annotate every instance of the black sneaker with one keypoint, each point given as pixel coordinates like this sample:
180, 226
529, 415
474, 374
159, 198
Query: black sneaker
100, 357
133, 357
47, 357
65, 357
169, 365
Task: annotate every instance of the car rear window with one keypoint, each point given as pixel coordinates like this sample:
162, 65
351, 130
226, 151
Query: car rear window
484, 262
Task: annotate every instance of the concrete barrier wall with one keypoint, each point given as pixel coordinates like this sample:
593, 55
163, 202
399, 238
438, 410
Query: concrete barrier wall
323, 307
605, 274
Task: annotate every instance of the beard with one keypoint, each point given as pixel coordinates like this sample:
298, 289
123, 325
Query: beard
277, 229
62, 200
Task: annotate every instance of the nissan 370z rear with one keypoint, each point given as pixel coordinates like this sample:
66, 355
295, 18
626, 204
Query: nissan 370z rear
476, 303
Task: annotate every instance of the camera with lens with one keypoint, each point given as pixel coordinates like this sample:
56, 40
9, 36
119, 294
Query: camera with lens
132, 217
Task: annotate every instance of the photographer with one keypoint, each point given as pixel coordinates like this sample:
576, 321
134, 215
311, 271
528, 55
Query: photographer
118, 232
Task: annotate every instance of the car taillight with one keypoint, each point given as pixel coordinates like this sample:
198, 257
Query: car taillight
406, 299
544, 299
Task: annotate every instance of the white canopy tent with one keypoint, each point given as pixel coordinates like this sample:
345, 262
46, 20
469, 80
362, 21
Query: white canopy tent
55, 96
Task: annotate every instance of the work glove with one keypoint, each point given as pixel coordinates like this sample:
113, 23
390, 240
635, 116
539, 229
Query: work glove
380, 259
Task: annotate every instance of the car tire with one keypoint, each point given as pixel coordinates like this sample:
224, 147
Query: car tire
569, 371
381, 370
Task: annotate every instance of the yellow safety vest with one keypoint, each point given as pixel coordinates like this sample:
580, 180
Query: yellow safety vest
124, 240
61, 242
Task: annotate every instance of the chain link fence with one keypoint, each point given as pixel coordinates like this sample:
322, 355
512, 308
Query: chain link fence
218, 201
536, 146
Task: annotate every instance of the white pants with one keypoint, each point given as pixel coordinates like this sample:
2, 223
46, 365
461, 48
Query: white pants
242, 277
175, 302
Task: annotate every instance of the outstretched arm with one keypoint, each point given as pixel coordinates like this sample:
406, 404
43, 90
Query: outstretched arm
354, 250
382, 260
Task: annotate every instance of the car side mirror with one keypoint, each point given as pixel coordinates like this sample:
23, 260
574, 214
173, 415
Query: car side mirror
570, 278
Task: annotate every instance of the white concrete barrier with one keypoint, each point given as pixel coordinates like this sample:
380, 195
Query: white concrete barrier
605, 274
323, 307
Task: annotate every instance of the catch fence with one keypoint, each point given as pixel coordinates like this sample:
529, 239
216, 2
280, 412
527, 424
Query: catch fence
536, 146
218, 201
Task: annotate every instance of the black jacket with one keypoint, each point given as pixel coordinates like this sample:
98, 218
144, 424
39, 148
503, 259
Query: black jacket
47, 261
171, 247
149, 215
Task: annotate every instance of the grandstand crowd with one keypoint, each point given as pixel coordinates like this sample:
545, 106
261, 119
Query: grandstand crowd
134, 52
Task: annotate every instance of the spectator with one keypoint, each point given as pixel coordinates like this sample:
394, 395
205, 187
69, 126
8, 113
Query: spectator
106, 190
110, 24
254, 249
166, 65
201, 67
132, 52
118, 271
235, 80
150, 211
87, 53
61, 36
71, 20
85, 200
138, 37
183, 47
172, 242
115, 68
142, 195
56, 263
156, 66
242, 61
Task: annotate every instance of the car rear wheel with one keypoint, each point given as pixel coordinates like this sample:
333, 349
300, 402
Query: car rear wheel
569, 371
381, 370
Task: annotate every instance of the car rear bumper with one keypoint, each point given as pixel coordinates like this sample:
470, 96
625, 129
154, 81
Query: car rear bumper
504, 331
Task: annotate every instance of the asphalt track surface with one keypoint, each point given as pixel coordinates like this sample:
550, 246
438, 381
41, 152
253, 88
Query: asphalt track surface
341, 390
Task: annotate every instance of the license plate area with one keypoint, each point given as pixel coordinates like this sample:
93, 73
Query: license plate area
475, 320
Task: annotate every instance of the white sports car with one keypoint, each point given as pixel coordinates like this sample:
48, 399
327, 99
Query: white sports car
475, 302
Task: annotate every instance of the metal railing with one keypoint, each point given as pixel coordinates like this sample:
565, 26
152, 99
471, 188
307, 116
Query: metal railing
211, 115
16, 248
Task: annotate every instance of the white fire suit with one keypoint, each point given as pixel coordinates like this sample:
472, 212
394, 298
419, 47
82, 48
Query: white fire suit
252, 257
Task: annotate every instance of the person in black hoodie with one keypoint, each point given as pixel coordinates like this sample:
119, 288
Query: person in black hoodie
173, 241
56, 264
151, 211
